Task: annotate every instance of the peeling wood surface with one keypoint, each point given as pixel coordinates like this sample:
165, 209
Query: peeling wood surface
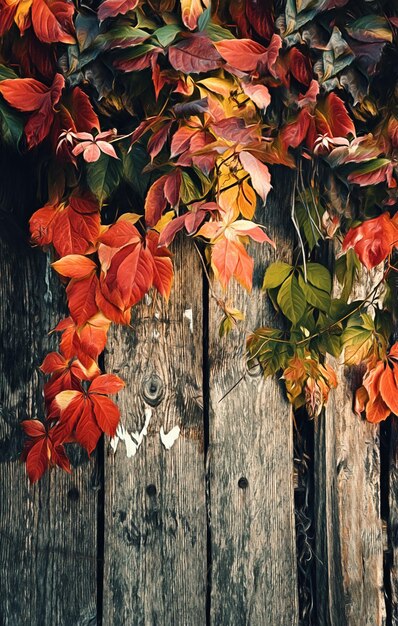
349, 541
48, 548
155, 518
250, 465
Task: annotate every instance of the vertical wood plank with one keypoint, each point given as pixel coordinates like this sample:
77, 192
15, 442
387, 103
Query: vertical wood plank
349, 542
393, 519
254, 580
48, 545
155, 522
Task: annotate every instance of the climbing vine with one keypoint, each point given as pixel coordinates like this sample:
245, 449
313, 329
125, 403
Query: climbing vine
147, 118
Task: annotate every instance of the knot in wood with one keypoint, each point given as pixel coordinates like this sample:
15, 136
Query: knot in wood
243, 483
153, 389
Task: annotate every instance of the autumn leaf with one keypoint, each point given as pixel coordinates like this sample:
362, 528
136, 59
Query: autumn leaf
52, 21
31, 96
42, 450
373, 240
111, 8
194, 54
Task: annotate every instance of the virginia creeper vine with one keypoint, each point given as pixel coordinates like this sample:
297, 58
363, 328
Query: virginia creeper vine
148, 118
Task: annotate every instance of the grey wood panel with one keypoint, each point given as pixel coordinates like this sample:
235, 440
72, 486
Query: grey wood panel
254, 574
155, 518
349, 542
48, 543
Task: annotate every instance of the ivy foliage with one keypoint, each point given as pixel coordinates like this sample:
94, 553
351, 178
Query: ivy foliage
150, 118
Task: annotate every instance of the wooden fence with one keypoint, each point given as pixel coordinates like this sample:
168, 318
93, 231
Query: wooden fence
249, 519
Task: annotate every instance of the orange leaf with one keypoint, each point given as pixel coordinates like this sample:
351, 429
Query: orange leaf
74, 266
388, 388
106, 413
52, 21
106, 383
81, 296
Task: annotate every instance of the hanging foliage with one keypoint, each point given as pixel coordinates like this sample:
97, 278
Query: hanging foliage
150, 118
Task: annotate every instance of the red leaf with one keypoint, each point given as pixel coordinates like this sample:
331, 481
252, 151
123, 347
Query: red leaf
37, 460
29, 95
155, 201
87, 431
377, 410
92, 338
300, 66
163, 272
106, 413
373, 240
172, 186
34, 428
111, 8
82, 112
194, 54
74, 266
81, 296
332, 118
77, 227
388, 389
243, 54
260, 15
53, 362
106, 384
52, 21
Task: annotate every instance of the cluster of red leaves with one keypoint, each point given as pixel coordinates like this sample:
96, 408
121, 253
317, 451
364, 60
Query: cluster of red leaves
374, 240
108, 270
204, 96
378, 396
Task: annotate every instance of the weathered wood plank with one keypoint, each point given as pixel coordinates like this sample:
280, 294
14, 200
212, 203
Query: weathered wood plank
48, 545
349, 543
250, 463
155, 522
393, 519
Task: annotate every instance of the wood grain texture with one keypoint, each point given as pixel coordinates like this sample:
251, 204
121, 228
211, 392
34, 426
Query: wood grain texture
349, 542
48, 546
253, 578
393, 519
155, 519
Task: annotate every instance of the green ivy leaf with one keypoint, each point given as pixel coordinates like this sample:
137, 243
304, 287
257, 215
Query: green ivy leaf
319, 276
275, 274
103, 177
317, 298
291, 300
166, 34
11, 125
371, 28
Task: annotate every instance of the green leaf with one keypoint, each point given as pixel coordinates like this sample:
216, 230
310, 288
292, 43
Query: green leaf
275, 274
217, 33
7, 72
291, 300
370, 166
357, 342
315, 297
204, 18
103, 177
11, 125
188, 191
345, 269
166, 34
133, 165
319, 276
371, 28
